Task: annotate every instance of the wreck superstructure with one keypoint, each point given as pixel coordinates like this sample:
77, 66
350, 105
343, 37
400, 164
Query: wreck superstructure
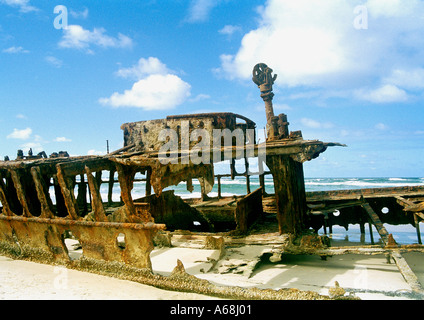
45, 200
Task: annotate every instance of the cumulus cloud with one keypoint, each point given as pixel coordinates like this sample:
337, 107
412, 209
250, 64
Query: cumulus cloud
23, 134
79, 14
93, 152
199, 10
14, 50
55, 62
385, 94
23, 5
144, 67
155, 92
229, 30
411, 79
156, 88
62, 139
75, 36
316, 44
381, 126
314, 124
35, 146
200, 97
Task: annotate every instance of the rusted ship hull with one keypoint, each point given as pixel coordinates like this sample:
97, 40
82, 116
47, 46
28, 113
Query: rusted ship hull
45, 201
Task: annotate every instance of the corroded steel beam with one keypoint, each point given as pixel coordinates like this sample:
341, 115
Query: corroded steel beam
69, 222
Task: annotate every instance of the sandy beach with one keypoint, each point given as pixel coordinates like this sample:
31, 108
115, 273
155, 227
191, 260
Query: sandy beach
33, 281
365, 277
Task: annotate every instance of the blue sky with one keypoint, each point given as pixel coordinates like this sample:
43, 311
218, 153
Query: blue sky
348, 71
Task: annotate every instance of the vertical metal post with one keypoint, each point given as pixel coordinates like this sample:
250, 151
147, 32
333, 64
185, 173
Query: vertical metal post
264, 80
417, 227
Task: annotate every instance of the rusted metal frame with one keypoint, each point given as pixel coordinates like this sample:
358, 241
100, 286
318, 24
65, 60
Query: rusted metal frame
110, 185
404, 202
332, 207
82, 195
367, 250
122, 149
407, 272
125, 177
417, 228
279, 147
248, 210
77, 166
249, 122
408, 203
68, 222
160, 176
219, 186
401, 263
72, 168
3, 198
97, 204
370, 231
289, 193
325, 210
246, 163
50, 162
20, 191
376, 221
365, 193
42, 192
68, 193
148, 183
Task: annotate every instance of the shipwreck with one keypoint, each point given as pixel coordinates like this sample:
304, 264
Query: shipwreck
46, 200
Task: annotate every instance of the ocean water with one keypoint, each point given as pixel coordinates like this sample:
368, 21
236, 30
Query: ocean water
403, 234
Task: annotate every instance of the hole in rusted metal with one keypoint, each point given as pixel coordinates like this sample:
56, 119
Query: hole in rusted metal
385, 210
73, 245
120, 241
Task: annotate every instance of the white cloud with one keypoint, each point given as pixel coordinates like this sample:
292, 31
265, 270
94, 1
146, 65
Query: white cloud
23, 134
79, 14
200, 97
14, 50
381, 126
296, 39
23, 5
310, 123
229, 29
35, 146
392, 8
385, 94
281, 107
62, 139
54, 61
93, 152
156, 87
144, 67
315, 44
155, 92
411, 79
77, 37
199, 10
